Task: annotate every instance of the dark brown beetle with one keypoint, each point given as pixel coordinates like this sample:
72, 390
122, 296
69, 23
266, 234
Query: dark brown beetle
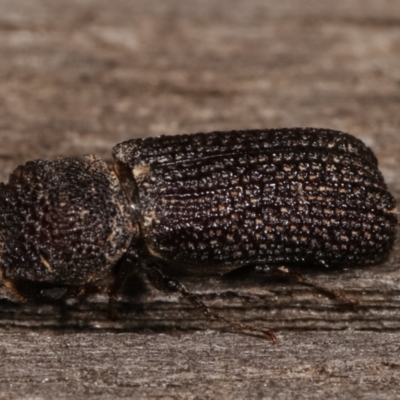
205, 203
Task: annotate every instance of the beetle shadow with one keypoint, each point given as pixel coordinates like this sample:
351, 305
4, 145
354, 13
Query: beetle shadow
69, 307
254, 274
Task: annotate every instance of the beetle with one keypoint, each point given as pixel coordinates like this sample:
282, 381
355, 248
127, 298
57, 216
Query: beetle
205, 203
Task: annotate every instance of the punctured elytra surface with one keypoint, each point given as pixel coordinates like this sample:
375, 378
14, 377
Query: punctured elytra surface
294, 197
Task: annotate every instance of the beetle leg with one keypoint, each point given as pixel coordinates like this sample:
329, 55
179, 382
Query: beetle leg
170, 285
128, 265
297, 277
331, 292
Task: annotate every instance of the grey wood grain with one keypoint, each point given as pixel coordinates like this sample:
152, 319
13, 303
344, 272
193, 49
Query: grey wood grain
77, 77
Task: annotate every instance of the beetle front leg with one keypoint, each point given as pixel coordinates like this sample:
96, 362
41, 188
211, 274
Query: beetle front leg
170, 285
126, 267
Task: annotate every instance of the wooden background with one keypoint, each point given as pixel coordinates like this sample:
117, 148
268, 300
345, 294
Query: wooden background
78, 76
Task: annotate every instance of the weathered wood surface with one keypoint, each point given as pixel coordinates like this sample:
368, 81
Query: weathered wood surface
76, 77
